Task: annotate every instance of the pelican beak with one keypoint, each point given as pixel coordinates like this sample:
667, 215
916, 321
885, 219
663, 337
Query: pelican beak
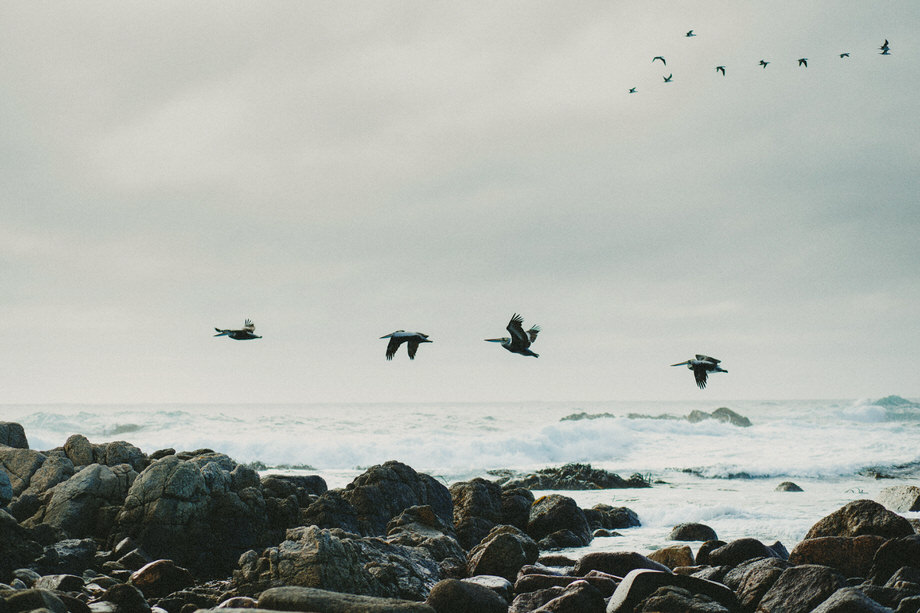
386, 335
493, 340
425, 340
682, 363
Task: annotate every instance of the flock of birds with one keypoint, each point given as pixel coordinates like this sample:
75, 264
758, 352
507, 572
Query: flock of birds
519, 342
803, 61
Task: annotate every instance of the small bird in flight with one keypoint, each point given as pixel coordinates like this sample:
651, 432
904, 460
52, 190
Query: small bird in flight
401, 336
520, 341
844, 54
701, 366
764, 63
632, 90
658, 57
689, 34
245, 334
884, 46
721, 69
668, 78
803, 61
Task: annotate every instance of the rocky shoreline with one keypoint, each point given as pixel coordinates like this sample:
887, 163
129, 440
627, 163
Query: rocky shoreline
107, 528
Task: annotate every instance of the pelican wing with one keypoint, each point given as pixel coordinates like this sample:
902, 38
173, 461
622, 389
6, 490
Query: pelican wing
412, 346
516, 328
392, 346
699, 373
533, 332
249, 325
706, 358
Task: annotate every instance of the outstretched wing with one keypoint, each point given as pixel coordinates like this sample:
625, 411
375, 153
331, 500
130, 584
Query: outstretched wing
699, 373
249, 325
412, 347
516, 329
706, 358
392, 346
533, 332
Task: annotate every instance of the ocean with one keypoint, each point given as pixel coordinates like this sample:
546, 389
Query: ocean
709, 471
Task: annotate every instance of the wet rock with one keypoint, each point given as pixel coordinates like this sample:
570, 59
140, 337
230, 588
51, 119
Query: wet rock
499, 585
6, 489
576, 477
32, 599
556, 513
338, 561
788, 486
673, 556
673, 598
850, 600
311, 599
126, 598
692, 532
13, 435
617, 563
120, 452
331, 510
900, 498
55, 469
472, 530
751, 579
602, 582
604, 516
737, 551
516, 503
239, 602
503, 552
79, 450
421, 527
861, 517
852, 556
20, 464
638, 585
801, 589
532, 601
70, 556
892, 555
161, 577
726, 415
454, 596
477, 498
702, 554
577, 597
59, 583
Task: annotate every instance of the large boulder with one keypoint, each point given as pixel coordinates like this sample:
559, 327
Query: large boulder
799, 589
577, 597
894, 554
638, 585
78, 505
341, 562
673, 556
120, 452
692, 531
13, 435
79, 450
292, 598
850, 600
751, 579
556, 517
900, 498
516, 503
477, 508
576, 477
852, 556
455, 596
55, 469
503, 553
187, 511
18, 549
421, 527
607, 517
20, 464
739, 550
861, 517
617, 563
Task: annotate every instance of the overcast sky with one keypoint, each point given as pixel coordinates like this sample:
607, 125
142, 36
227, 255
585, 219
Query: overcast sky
340, 170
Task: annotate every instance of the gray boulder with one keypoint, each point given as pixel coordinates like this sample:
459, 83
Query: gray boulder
850, 600
788, 486
692, 532
552, 516
421, 527
455, 596
13, 435
120, 452
852, 556
341, 562
17, 547
6, 489
799, 589
577, 597
187, 511
606, 517
79, 450
751, 579
638, 585
516, 503
739, 550
20, 464
55, 469
617, 563
477, 498
70, 556
892, 555
900, 498
861, 517
308, 599
503, 552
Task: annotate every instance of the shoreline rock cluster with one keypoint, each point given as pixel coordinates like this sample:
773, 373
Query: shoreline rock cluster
106, 528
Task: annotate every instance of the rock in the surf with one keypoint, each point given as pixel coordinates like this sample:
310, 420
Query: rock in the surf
503, 552
576, 477
692, 531
851, 555
557, 521
900, 498
861, 517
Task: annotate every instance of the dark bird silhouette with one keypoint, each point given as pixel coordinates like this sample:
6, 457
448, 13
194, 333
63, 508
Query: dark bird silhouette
520, 341
885, 51
844, 54
658, 57
803, 61
721, 69
884, 46
764, 63
245, 334
413, 339
668, 78
632, 90
701, 366
689, 34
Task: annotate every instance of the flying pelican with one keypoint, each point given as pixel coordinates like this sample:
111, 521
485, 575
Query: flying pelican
803, 61
401, 336
701, 367
247, 333
520, 341
668, 78
884, 46
764, 63
721, 69
658, 57
844, 54
689, 34
632, 90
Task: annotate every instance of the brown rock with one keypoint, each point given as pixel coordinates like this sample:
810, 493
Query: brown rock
160, 578
673, 556
861, 517
852, 556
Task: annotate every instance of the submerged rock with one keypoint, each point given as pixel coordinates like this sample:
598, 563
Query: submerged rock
576, 477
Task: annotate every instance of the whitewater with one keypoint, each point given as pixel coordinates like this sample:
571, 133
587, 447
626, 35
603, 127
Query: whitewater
712, 472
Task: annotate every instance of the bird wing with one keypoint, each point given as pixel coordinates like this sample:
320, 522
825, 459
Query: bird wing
412, 346
658, 57
392, 346
699, 373
533, 332
221, 332
516, 328
706, 358
249, 325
